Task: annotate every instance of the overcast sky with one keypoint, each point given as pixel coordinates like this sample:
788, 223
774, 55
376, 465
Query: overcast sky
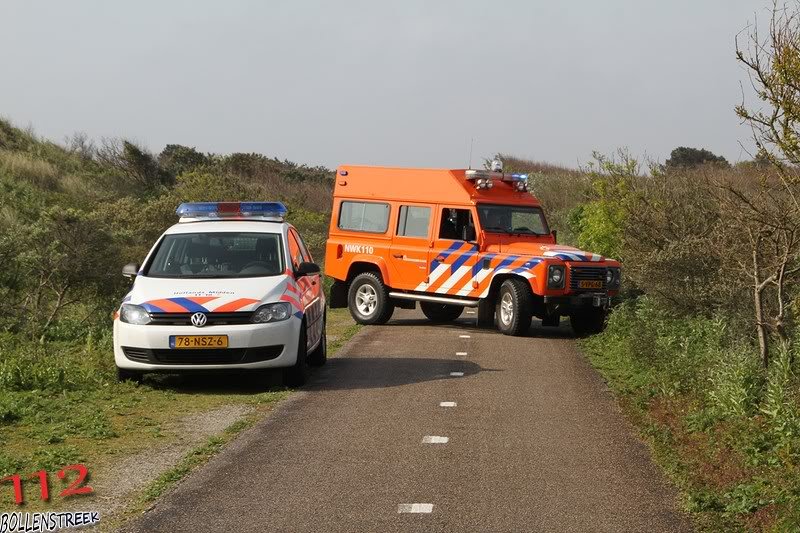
388, 83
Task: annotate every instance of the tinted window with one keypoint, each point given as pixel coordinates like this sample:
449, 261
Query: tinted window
217, 255
413, 221
364, 216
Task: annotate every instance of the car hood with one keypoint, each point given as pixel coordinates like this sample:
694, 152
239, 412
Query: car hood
169, 295
567, 253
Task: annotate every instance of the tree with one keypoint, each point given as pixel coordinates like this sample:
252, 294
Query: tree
772, 215
136, 164
684, 157
177, 159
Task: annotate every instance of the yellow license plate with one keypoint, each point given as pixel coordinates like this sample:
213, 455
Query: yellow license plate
590, 284
179, 342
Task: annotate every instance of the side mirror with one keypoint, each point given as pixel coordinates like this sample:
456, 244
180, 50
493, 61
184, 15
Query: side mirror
306, 268
554, 233
469, 234
130, 270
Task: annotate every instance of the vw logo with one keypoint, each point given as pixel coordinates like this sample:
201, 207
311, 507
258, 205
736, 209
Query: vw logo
199, 320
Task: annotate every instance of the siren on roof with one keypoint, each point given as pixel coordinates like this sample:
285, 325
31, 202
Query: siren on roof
271, 211
484, 179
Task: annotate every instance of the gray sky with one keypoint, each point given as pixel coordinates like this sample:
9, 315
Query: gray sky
390, 83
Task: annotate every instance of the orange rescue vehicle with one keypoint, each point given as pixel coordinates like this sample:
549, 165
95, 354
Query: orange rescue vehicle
451, 239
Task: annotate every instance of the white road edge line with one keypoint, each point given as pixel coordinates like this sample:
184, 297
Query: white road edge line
414, 508
447, 404
456, 374
433, 439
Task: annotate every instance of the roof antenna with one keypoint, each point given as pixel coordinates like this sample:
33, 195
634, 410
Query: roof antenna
471, 141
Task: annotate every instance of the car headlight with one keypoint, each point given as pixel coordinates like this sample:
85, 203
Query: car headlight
613, 278
134, 314
272, 313
555, 277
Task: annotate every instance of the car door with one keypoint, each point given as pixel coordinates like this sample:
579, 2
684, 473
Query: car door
310, 288
411, 243
454, 252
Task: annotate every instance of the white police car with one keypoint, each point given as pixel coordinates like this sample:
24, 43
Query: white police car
231, 286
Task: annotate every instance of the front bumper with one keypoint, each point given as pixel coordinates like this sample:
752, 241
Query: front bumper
250, 346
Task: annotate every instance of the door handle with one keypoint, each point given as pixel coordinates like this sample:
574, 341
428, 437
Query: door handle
440, 258
397, 256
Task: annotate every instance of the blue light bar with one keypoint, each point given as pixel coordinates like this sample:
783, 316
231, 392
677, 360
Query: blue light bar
232, 209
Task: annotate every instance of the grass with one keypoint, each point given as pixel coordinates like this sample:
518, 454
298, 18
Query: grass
725, 430
67, 408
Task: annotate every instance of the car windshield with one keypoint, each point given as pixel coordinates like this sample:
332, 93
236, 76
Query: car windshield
512, 219
217, 255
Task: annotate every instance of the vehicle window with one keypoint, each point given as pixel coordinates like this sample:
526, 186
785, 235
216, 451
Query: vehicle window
512, 219
364, 216
303, 248
455, 223
295, 252
217, 255
413, 221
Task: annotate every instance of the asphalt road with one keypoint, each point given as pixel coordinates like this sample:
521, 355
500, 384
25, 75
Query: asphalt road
534, 443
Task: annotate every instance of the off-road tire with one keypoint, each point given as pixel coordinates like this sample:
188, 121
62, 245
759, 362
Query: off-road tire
319, 355
588, 321
441, 313
123, 374
384, 307
486, 313
515, 293
297, 375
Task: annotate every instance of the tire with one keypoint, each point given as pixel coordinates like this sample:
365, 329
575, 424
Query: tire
588, 322
441, 313
319, 356
123, 374
298, 374
513, 307
486, 313
368, 299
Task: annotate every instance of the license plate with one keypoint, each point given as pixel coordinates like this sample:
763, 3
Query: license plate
586, 284
180, 342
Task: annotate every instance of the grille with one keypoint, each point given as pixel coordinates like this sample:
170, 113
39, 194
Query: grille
203, 357
214, 319
586, 273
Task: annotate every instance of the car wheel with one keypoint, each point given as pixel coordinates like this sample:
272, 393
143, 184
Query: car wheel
514, 307
298, 374
368, 299
123, 374
319, 356
441, 312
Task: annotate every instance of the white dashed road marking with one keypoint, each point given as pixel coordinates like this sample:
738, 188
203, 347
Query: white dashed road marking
461, 353
456, 374
447, 404
433, 439
464, 337
415, 508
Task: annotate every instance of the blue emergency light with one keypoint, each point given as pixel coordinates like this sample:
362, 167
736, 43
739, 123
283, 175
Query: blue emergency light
272, 210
